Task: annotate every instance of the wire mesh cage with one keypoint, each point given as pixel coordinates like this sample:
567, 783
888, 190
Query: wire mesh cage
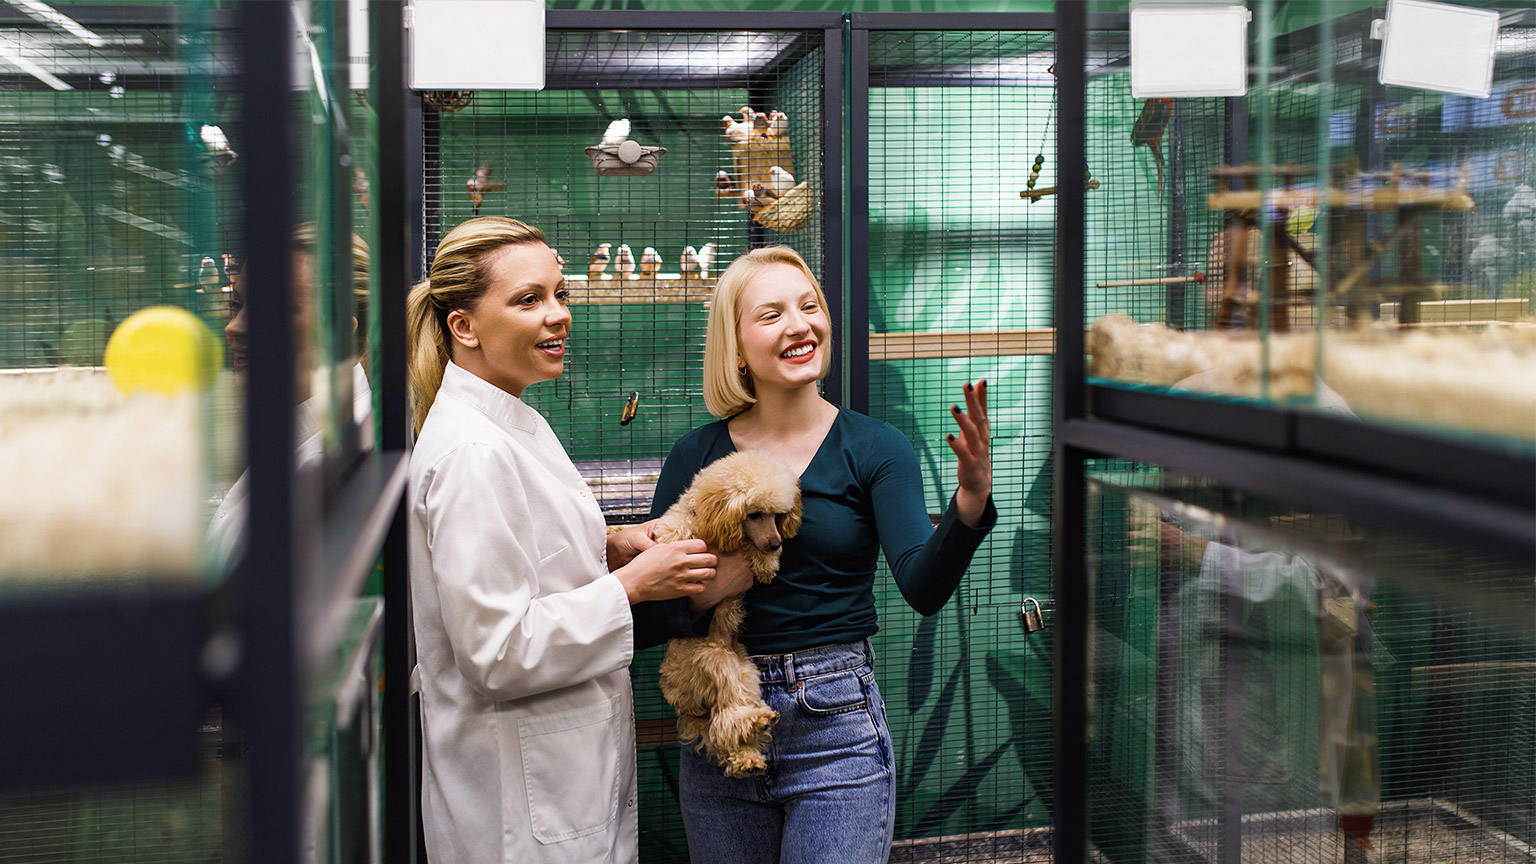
1273, 685
1354, 243
960, 287
638, 160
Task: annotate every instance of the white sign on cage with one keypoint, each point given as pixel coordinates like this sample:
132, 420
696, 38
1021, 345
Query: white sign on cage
476, 44
1437, 46
1188, 49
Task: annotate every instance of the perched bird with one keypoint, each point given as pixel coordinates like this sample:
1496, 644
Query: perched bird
479, 184
559, 259
723, 184
778, 124
624, 262
207, 273
1149, 129
599, 262
760, 124
650, 262
617, 132
780, 181
689, 262
360, 185
231, 267
736, 131
220, 153
706, 258
746, 200
761, 196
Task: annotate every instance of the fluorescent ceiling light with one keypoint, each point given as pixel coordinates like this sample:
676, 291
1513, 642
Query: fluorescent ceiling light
36, 71
45, 14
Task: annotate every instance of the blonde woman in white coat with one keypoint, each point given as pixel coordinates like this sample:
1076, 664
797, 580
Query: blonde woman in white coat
521, 601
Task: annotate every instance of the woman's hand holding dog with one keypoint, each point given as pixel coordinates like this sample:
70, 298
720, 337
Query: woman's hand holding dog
667, 570
973, 448
629, 541
733, 575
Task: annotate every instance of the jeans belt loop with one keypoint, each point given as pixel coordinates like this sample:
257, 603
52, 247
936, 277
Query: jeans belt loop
789, 671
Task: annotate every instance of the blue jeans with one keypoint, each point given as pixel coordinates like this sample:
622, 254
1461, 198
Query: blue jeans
829, 793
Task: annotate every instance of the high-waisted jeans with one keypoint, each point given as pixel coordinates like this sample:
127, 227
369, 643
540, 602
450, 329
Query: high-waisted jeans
829, 792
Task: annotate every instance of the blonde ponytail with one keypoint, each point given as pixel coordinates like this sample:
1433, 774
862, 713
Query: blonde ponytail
426, 354
457, 280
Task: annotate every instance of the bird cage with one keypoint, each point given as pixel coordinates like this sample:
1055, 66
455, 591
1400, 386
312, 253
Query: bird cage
951, 112
1277, 684
643, 240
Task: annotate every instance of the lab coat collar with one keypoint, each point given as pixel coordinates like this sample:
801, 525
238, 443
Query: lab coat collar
491, 400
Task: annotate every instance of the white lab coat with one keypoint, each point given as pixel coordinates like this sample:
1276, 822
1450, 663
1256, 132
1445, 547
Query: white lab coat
523, 639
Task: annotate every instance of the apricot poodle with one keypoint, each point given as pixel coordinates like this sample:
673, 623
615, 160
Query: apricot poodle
747, 502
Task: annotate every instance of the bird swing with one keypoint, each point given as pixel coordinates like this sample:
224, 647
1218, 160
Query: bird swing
1031, 192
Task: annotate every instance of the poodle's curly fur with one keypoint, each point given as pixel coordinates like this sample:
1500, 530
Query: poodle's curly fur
748, 502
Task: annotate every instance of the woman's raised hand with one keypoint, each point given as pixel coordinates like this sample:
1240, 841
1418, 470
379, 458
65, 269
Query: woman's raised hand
973, 448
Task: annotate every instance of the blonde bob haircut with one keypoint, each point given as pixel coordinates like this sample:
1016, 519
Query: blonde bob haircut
728, 389
457, 279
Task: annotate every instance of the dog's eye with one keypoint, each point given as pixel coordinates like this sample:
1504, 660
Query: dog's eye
756, 515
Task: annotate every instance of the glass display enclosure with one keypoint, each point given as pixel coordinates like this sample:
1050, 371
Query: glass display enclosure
1275, 684
1326, 243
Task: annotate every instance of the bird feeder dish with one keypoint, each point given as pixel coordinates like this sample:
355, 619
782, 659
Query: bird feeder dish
791, 211
628, 157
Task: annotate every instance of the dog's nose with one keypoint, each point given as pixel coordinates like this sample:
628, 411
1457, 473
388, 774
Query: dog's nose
773, 545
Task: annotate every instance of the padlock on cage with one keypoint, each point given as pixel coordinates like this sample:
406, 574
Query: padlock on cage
1034, 619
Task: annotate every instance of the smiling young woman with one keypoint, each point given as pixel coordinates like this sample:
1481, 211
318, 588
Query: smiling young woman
520, 599
829, 791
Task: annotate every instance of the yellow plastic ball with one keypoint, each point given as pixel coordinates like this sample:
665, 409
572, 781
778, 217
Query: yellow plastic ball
163, 349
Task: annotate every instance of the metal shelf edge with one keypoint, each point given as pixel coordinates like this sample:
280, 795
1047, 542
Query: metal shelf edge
1374, 498
356, 524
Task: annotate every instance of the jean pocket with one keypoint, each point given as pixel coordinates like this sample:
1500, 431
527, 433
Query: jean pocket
834, 693
571, 770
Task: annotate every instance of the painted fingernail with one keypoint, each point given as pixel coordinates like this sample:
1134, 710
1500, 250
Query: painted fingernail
968, 387
950, 437
955, 408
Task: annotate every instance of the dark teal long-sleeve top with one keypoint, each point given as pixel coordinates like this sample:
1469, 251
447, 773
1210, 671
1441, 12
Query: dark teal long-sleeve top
861, 493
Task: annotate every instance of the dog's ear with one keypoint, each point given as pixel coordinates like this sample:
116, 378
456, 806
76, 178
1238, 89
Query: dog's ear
789, 523
719, 517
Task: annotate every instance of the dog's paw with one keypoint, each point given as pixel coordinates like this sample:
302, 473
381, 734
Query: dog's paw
744, 763
763, 720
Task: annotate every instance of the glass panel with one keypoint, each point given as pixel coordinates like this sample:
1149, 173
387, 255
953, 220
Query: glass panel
1328, 243
1274, 684
119, 190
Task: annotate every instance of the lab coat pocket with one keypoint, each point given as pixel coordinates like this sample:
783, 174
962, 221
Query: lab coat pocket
571, 768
